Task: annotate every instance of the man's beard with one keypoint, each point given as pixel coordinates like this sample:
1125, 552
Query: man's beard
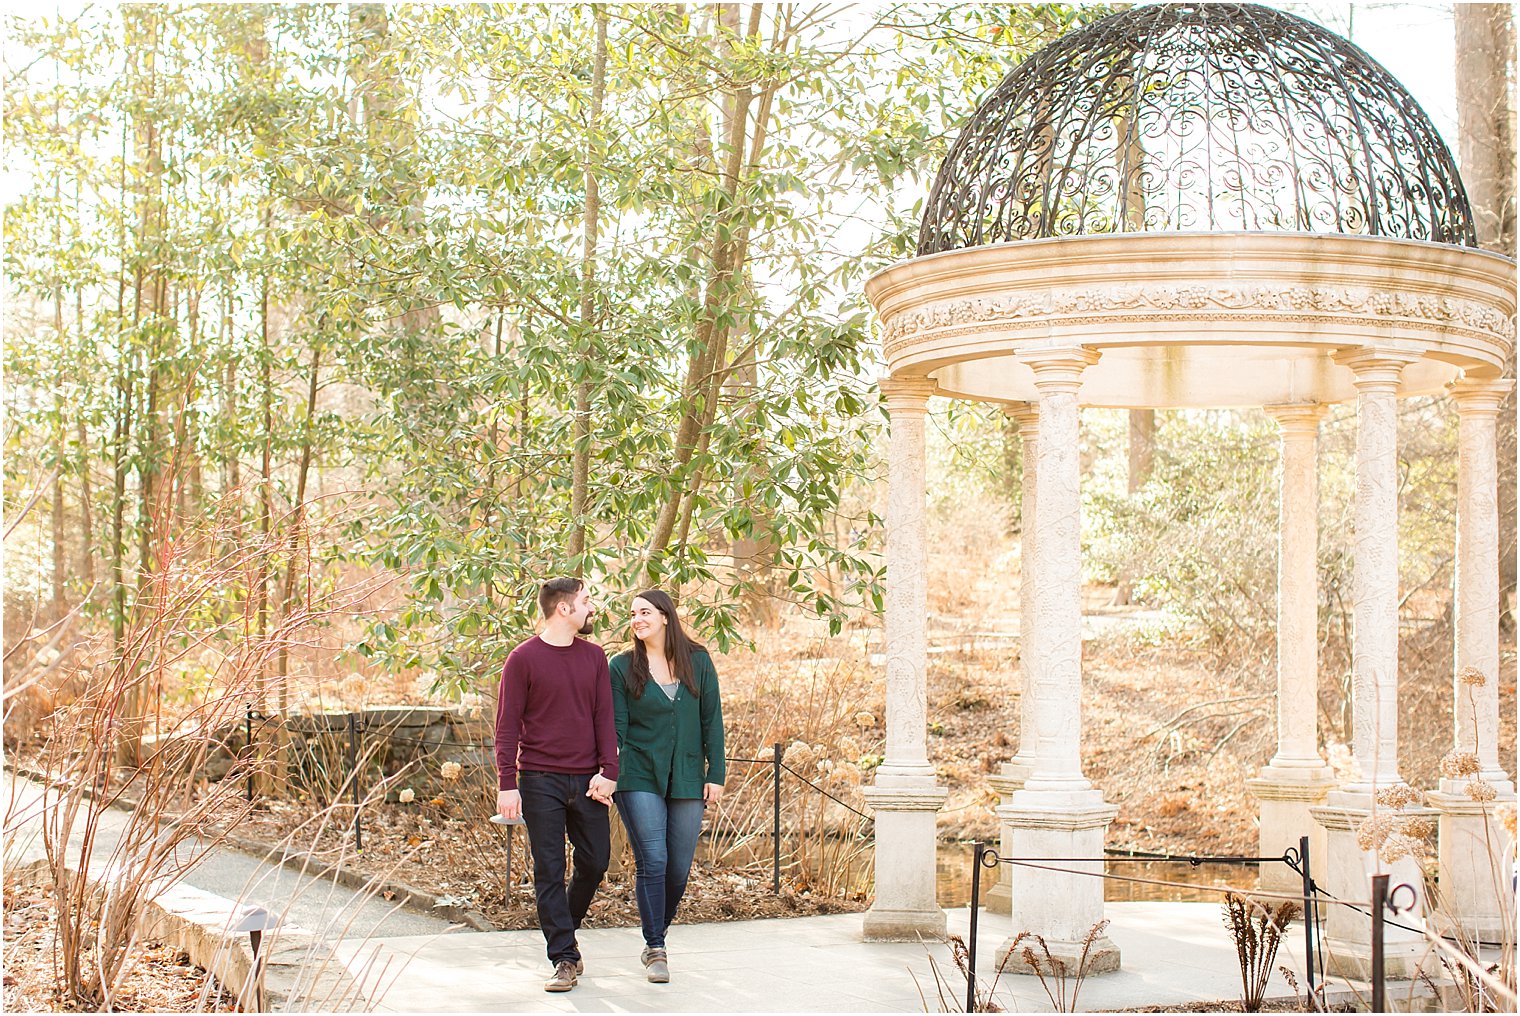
589, 626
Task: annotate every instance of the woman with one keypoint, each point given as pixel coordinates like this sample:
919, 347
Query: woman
670, 760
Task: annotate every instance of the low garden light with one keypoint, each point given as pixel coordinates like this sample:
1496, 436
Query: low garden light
510, 824
253, 922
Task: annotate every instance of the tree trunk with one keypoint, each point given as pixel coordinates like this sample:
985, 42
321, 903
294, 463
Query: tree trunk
1142, 447
298, 513
266, 482
707, 369
150, 302
86, 496
581, 461
1485, 43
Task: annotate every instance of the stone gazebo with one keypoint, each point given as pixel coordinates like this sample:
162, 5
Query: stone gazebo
1195, 205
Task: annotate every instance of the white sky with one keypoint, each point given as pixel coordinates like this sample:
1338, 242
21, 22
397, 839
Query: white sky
1414, 41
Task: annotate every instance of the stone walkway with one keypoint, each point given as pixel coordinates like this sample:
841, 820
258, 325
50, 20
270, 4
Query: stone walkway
1173, 953
400, 960
307, 902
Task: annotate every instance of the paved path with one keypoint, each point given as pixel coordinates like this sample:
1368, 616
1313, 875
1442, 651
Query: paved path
315, 904
1172, 953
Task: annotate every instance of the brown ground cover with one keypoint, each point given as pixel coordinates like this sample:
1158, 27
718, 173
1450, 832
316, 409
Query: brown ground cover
159, 980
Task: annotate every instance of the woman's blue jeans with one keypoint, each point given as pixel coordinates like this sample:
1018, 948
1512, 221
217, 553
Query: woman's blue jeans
663, 833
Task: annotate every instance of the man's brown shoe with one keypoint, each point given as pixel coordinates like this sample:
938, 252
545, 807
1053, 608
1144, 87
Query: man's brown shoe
564, 977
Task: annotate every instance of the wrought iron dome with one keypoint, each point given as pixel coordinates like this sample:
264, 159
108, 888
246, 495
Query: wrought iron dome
1197, 117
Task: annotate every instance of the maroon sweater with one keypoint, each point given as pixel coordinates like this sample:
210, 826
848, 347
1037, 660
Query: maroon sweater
554, 712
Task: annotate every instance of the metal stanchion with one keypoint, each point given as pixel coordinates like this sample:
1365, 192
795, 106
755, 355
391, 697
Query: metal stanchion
1309, 909
978, 851
353, 768
248, 743
1379, 903
776, 818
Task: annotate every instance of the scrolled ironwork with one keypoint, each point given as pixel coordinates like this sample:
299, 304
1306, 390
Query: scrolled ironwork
1197, 117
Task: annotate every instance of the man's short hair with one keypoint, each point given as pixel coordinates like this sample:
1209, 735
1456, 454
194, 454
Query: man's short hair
554, 592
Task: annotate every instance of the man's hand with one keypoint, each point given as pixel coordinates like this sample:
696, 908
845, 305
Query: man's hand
601, 789
712, 793
509, 805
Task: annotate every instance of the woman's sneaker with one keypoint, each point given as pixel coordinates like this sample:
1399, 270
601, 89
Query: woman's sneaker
655, 966
564, 977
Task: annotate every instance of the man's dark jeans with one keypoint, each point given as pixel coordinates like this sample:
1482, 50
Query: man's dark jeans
555, 805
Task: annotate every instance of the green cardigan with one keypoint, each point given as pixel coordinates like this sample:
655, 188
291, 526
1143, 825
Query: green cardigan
662, 743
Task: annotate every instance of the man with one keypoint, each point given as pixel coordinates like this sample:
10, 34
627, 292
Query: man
556, 763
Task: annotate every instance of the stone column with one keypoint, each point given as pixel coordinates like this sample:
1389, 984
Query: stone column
1011, 775
904, 795
1375, 579
1474, 847
1058, 813
1296, 778
1374, 699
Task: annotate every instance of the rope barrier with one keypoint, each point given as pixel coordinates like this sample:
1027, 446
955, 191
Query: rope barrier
825, 793
1253, 893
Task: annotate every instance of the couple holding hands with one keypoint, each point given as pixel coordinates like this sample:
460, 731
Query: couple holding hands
576, 732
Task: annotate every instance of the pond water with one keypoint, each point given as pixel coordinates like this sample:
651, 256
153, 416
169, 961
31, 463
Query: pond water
953, 872
953, 876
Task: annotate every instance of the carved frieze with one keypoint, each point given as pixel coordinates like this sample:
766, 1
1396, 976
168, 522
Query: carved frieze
1248, 302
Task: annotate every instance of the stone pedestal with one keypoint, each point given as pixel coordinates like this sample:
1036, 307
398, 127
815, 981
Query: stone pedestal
1286, 797
906, 908
1477, 865
1060, 907
1008, 781
1348, 876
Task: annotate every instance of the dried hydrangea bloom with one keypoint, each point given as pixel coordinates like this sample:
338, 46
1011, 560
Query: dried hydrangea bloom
1507, 819
798, 753
1457, 764
451, 771
1374, 830
1472, 676
1419, 828
1481, 790
1400, 795
407, 796
1398, 845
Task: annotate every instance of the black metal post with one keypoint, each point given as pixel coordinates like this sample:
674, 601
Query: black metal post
248, 739
353, 768
978, 850
1379, 902
1303, 862
776, 818
254, 937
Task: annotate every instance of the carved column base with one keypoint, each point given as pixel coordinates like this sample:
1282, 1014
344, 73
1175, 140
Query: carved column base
1285, 797
906, 908
1061, 908
1347, 875
1008, 781
1477, 866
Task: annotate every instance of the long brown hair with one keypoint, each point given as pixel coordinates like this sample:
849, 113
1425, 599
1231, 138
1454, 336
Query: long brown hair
678, 649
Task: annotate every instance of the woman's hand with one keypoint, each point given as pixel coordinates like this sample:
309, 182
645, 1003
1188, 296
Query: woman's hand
712, 793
